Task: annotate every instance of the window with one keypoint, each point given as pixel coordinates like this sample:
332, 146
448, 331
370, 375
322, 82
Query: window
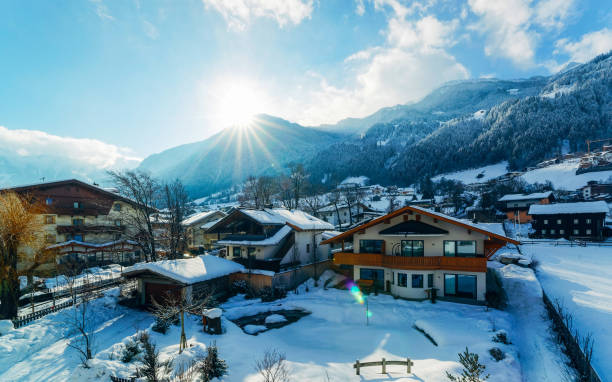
430, 280
588, 231
402, 280
78, 237
117, 207
77, 204
552, 231
376, 275
50, 238
576, 232
460, 248
559, 221
371, 246
250, 251
417, 281
117, 236
546, 221
307, 248
118, 223
576, 221
561, 232
49, 201
588, 221
49, 219
77, 221
543, 232
460, 285
414, 248
236, 251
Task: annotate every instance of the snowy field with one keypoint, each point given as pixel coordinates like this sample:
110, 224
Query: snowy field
580, 278
327, 341
470, 176
563, 175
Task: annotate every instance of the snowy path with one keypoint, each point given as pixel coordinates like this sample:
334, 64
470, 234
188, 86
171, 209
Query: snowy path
580, 278
541, 357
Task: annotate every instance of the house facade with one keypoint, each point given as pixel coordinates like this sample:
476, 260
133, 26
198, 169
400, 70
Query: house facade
275, 243
516, 206
82, 222
596, 190
196, 227
413, 250
582, 220
342, 216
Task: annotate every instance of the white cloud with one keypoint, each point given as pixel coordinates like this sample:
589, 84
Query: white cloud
512, 27
412, 62
359, 7
589, 45
102, 10
238, 13
88, 151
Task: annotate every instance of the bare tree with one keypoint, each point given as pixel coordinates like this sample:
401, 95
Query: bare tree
144, 190
313, 203
273, 366
81, 319
335, 198
173, 306
285, 191
248, 197
175, 200
20, 238
392, 204
298, 183
352, 197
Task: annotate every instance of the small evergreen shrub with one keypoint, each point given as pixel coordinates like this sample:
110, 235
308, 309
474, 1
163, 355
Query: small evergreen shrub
473, 370
497, 354
240, 287
130, 351
212, 366
161, 325
268, 294
502, 338
494, 299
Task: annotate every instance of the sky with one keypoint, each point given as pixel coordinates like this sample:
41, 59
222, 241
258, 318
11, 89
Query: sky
127, 78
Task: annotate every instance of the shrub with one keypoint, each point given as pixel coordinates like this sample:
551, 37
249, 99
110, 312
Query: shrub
473, 370
161, 325
130, 351
270, 294
497, 354
240, 287
151, 366
212, 366
273, 366
502, 338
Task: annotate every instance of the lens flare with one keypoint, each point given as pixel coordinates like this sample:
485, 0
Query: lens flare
356, 292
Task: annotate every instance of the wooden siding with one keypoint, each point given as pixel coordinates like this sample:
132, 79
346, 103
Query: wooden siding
467, 264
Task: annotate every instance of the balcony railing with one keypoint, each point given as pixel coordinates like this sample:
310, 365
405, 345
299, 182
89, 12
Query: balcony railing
89, 228
467, 264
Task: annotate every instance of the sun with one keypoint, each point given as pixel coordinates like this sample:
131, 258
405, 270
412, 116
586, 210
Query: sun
236, 102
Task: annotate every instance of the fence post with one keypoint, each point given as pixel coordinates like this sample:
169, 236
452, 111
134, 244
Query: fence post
357, 367
384, 366
408, 364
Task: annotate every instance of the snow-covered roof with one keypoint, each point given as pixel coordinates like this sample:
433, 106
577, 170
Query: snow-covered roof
272, 240
298, 218
91, 245
332, 208
535, 195
329, 234
199, 217
189, 271
210, 224
569, 208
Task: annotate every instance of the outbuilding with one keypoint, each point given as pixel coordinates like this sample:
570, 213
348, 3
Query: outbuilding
183, 278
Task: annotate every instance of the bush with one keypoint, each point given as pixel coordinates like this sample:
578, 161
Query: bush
497, 354
212, 366
151, 366
502, 338
130, 351
160, 325
268, 294
240, 287
473, 370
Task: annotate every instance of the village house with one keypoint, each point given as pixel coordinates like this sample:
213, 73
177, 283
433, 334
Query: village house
341, 215
192, 278
582, 220
516, 206
196, 227
414, 252
595, 190
279, 247
82, 222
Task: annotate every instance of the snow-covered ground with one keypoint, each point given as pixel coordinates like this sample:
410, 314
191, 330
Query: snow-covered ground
89, 275
563, 175
471, 175
329, 340
580, 278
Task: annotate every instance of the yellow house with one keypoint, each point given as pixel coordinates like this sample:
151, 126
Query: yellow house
196, 226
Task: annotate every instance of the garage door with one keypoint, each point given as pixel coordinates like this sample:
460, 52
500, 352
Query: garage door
160, 292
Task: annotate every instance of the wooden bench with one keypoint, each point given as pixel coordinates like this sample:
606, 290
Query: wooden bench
408, 363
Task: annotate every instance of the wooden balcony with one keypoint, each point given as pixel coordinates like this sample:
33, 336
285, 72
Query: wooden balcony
467, 264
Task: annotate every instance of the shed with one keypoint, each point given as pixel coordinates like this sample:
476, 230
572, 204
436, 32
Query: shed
184, 278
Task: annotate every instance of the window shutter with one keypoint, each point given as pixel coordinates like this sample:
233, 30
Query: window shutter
384, 247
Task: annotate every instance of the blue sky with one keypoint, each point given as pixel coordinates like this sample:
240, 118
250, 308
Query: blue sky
137, 77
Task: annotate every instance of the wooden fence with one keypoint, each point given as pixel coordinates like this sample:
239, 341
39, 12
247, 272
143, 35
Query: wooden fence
571, 343
358, 365
23, 320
